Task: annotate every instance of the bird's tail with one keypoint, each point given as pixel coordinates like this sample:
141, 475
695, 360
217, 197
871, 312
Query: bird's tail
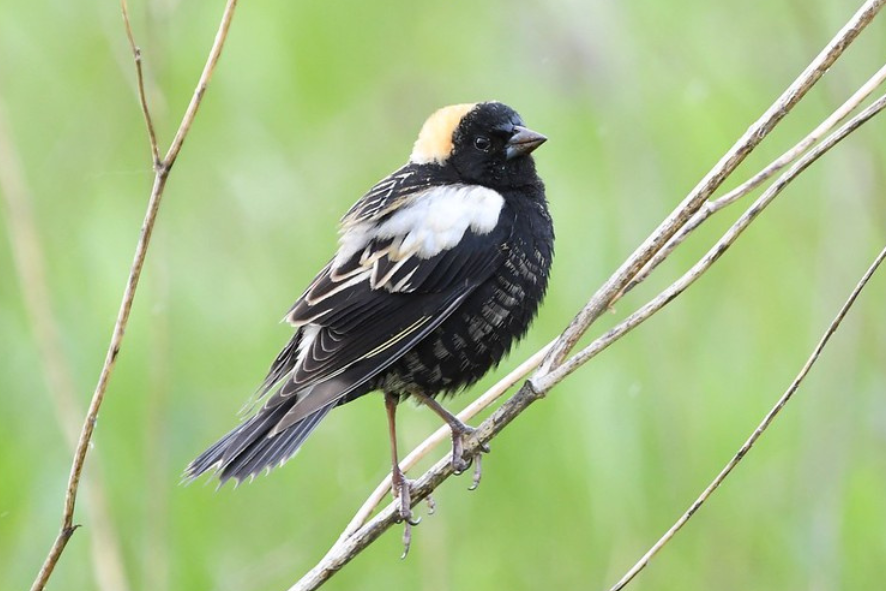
250, 448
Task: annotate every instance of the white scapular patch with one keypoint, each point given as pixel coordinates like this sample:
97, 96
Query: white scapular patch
435, 221
434, 143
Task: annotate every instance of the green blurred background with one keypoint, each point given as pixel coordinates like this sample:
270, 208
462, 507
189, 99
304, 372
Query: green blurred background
311, 104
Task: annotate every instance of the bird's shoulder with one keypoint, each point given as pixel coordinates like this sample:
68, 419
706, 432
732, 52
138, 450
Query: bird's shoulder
419, 230
395, 190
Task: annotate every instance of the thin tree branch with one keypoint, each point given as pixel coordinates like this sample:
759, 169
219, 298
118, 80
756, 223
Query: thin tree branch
188, 119
712, 207
162, 170
30, 268
140, 79
545, 382
607, 294
767, 421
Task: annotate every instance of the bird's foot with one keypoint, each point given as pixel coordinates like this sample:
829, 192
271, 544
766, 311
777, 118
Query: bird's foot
401, 488
460, 434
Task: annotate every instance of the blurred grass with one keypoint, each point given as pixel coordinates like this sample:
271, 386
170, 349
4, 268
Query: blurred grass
315, 101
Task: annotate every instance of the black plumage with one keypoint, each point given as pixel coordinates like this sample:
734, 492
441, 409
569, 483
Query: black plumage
441, 268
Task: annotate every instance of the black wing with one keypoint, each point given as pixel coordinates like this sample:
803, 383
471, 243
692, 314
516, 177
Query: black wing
359, 318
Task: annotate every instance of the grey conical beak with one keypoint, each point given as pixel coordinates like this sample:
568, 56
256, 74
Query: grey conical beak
523, 142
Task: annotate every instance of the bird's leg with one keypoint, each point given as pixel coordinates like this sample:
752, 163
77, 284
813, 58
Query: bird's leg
460, 432
400, 485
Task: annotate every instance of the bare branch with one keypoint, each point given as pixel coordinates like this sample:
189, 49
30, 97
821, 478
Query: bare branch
30, 269
188, 119
545, 382
767, 421
607, 294
137, 56
162, 170
712, 207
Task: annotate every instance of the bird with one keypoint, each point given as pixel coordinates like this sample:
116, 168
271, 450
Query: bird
441, 267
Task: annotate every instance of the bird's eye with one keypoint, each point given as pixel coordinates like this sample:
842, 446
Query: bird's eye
482, 143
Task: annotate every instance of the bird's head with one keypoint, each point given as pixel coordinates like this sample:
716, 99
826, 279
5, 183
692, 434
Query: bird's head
485, 143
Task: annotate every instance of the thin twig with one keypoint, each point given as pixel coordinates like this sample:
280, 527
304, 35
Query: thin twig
346, 549
443, 434
767, 421
140, 79
161, 175
712, 207
202, 83
607, 294
30, 267
547, 381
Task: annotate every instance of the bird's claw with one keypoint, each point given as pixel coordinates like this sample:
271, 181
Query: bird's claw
432, 504
401, 488
475, 482
459, 464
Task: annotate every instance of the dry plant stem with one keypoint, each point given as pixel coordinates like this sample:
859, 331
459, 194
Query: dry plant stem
347, 548
110, 573
607, 294
443, 434
712, 207
767, 421
162, 171
547, 381
68, 527
140, 79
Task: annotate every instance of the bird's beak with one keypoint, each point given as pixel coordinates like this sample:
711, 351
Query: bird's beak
523, 142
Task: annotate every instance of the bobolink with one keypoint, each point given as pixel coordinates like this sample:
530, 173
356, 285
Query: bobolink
441, 267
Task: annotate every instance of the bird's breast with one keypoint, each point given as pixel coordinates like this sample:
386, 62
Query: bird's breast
479, 334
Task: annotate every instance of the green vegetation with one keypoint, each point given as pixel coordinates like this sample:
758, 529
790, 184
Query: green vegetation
311, 104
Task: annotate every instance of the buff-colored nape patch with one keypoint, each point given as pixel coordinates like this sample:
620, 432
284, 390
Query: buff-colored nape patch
434, 143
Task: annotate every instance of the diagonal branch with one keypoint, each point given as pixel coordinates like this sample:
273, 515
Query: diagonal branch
608, 293
712, 207
162, 170
30, 269
140, 79
545, 382
767, 421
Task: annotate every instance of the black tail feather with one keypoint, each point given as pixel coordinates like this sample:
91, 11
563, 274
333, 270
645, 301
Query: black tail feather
279, 370
248, 449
